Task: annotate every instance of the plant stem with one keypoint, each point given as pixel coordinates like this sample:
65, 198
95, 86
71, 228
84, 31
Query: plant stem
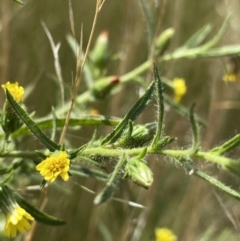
79, 75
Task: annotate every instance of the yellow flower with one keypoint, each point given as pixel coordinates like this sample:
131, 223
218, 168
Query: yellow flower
15, 90
56, 164
17, 220
165, 234
180, 89
230, 77
94, 112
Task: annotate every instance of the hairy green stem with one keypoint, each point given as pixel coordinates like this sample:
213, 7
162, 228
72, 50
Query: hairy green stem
105, 152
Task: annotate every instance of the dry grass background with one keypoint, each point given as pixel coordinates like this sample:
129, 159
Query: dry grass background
183, 203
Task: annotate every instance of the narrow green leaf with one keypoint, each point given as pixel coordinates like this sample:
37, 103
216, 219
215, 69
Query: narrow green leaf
134, 112
197, 38
88, 161
15, 164
163, 41
81, 121
195, 131
210, 44
160, 106
228, 145
136, 135
207, 235
166, 140
130, 129
18, 1
8, 178
142, 154
86, 172
54, 124
74, 45
6, 170
43, 184
76, 152
106, 233
88, 75
183, 111
201, 51
218, 184
110, 187
221, 52
38, 215
22, 114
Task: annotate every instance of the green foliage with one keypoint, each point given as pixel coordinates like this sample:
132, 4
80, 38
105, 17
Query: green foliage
129, 145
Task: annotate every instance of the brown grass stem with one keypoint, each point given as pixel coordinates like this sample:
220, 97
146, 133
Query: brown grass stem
99, 4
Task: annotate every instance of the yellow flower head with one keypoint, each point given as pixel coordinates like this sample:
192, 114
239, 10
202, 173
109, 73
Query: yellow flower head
15, 90
56, 164
165, 234
180, 89
230, 78
17, 220
94, 112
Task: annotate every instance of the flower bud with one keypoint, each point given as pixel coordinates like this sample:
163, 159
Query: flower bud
163, 40
138, 136
139, 172
99, 55
104, 86
9, 120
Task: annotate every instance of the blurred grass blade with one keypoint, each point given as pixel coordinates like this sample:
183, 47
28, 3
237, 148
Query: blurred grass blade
38, 215
54, 124
163, 41
18, 1
210, 44
73, 44
197, 38
71, 18
207, 235
134, 112
201, 51
106, 234
160, 106
86, 172
110, 187
86, 71
33, 127
146, 9
225, 51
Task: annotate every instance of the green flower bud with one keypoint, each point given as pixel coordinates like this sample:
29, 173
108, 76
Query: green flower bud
139, 172
9, 120
163, 40
137, 136
104, 86
99, 55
